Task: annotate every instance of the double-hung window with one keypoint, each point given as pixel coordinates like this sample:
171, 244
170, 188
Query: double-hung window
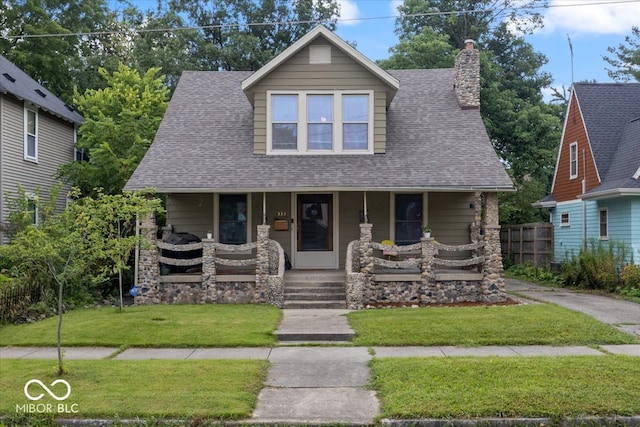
573, 160
604, 223
31, 134
320, 122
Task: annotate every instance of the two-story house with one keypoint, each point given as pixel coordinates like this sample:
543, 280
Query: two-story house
37, 135
596, 185
320, 140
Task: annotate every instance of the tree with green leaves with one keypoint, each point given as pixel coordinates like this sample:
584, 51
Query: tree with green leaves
246, 34
121, 121
626, 58
427, 49
81, 246
523, 129
60, 62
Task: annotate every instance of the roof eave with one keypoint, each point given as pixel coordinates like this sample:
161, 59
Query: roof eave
610, 194
544, 205
327, 189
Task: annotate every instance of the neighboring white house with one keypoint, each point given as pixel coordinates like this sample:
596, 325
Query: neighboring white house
37, 135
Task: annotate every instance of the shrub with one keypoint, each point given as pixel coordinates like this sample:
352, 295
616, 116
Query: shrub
600, 266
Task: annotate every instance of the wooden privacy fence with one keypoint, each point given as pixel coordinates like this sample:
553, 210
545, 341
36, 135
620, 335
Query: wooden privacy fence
527, 243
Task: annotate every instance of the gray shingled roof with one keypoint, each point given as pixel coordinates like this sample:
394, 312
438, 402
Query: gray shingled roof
24, 87
611, 113
205, 143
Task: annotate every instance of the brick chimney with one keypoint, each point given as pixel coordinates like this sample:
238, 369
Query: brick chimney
467, 80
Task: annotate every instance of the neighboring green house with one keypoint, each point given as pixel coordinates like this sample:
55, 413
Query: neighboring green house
37, 135
320, 140
596, 186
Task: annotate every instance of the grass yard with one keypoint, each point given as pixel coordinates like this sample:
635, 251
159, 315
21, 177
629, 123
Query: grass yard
543, 324
218, 389
153, 326
507, 387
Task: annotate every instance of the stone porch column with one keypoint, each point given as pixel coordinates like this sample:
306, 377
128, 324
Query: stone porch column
209, 294
148, 263
428, 274
493, 280
262, 263
366, 254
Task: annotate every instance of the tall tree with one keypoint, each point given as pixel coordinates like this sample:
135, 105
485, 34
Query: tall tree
626, 58
464, 19
426, 49
246, 34
522, 127
120, 123
69, 58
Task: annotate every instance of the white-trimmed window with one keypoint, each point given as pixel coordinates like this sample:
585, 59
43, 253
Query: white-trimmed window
604, 223
233, 219
573, 160
564, 219
79, 154
320, 122
31, 134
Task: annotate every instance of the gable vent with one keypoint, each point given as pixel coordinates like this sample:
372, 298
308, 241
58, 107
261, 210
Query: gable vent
41, 93
9, 77
320, 54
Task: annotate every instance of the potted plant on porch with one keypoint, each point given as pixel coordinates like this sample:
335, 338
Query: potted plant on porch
426, 231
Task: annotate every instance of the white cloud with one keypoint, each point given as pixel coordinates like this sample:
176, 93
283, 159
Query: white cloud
393, 6
349, 12
596, 18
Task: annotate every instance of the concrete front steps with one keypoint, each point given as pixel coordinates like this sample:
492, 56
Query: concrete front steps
314, 308
314, 290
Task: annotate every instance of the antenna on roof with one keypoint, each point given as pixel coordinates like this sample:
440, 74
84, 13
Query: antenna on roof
571, 50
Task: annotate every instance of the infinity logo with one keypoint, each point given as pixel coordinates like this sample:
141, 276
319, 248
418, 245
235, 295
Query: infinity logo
45, 388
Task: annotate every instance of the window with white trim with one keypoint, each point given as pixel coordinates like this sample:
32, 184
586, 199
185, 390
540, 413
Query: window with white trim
320, 122
573, 160
232, 219
31, 134
79, 154
604, 223
564, 219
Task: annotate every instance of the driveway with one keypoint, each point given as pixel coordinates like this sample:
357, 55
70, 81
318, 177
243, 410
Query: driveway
624, 315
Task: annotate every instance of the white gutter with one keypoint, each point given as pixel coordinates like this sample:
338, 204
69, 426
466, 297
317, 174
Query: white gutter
608, 194
322, 189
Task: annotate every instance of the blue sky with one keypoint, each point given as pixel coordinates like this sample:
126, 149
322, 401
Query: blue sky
592, 25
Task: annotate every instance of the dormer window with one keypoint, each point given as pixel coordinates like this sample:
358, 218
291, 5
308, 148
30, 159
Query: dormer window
320, 122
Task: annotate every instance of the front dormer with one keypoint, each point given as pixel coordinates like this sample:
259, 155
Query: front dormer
320, 96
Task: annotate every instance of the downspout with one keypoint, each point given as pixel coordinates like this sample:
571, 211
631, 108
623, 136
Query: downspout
584, 203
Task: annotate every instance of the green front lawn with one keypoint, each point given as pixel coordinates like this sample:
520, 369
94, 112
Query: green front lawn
544, 324
153, 326
460, 387
218, 389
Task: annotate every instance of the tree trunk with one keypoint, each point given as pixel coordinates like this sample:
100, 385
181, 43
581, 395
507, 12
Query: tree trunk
60, 292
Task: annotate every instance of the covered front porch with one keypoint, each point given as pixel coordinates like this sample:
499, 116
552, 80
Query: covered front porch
374, 237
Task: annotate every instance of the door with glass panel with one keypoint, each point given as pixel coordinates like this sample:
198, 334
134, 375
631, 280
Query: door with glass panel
315, 231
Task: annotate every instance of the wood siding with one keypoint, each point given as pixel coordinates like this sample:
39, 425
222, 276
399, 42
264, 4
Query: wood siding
190, 213
297, 74
450, 215
565, 188
55, 148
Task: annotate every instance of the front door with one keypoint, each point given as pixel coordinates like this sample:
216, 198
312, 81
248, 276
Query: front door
315, 246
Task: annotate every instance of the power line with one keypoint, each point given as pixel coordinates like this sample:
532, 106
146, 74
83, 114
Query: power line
306, 22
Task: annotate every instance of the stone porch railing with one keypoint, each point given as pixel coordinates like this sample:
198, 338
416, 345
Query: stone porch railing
428, 278
266, 285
